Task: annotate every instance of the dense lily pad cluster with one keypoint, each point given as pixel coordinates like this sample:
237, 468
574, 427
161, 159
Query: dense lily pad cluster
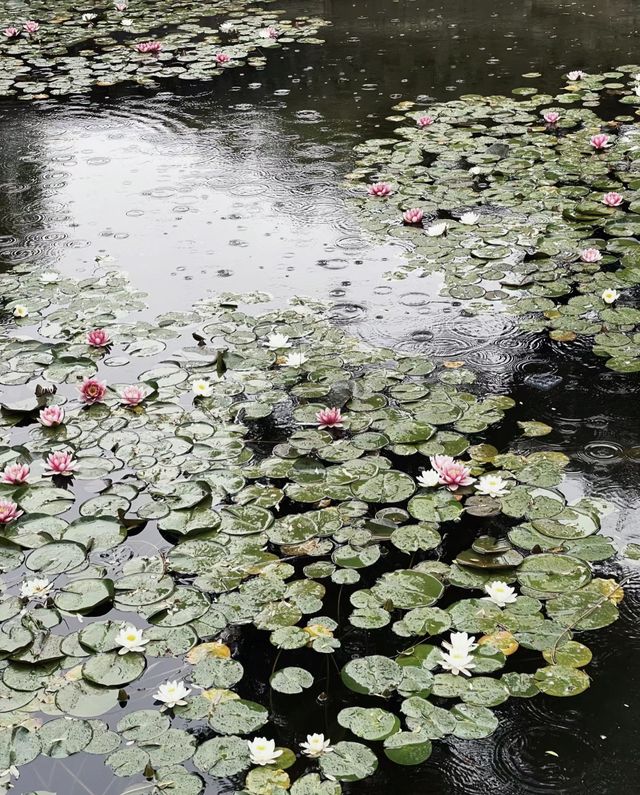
71, 52
540, 216
171, 528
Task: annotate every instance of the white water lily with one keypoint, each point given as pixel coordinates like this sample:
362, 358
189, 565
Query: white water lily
316, 746
608, 296
577, 74
172, 693
88, 17
20, 310
435, 230
276, 342
130, 639
49, 277
469, 218
201, 388
126, 22
227, 27
35, 589
492, 486
294, 360
457, 661
636, 90
428, 478
460, 642
263, 751
500, 593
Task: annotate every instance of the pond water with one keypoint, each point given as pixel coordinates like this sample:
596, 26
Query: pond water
238, 185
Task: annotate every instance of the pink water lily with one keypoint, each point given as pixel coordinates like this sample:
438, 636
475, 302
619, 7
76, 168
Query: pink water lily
149, 47
600, 142
31, 27
60, 463
329, 418
11, 33
98, 338
576, 74
132, 395
15, 474
452, 473
590, 255
612, 199
222, 58
413, 216
551, 117
9, 511
380, 189
270, 33
92, 390
120, 6
425, 121
51, 416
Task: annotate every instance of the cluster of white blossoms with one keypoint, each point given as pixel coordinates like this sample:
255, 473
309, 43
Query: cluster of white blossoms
456, 656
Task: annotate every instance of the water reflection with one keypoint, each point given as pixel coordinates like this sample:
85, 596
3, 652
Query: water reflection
239, 187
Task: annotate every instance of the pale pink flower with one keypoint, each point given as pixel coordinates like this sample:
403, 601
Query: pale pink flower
222, 58
15, 474
413, 216
120, 6
600, 142
329, 418
424, 121
31, 26
150, 47
612, 199
270, 33
132, 395
551, 117
11, 33
98, 338
92, 390
9, 511
590, 255
380, 189
577, 74
60, 463
452, 473
51, 416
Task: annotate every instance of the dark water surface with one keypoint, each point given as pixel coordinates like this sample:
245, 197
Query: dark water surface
240, 187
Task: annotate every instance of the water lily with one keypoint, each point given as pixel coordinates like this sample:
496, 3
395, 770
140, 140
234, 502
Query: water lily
20, 311
329, 418
9, 511
316, 746
49, 277
457, 662
269, 33
149, 47
469, 219
609, 296
11, 33
428, 478
577, 74
492, 486
413, 216
460, 641
201, 387
590, 255
600, 142
38, 588
60, 463
452, 473
612, 199
276, 342
172, 693
92, 391
120, 6
436, 230
425, 121
636, 90
88, 17
222, 58
126, 22
15, 474
500, 593
551, 116
98, 338
227, 27
380, 189
31, 27
51, 416
262, 751
132, 395
130, 639
294, 359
